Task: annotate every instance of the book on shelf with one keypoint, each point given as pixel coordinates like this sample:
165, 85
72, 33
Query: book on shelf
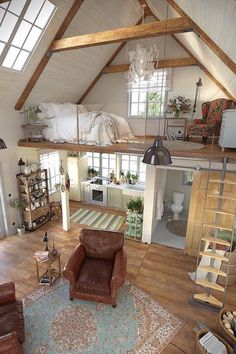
41, 256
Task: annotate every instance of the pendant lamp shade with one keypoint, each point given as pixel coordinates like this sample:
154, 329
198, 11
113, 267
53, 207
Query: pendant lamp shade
157, 154
2, 144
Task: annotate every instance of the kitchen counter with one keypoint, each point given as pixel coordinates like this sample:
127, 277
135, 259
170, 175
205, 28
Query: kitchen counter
135, 187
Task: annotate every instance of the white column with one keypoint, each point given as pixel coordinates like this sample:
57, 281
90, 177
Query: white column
149, 213
64, 194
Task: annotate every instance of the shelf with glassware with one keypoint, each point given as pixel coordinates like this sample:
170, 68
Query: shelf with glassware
33, 192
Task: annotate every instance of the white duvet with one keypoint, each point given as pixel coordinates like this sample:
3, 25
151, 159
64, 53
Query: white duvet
95, 128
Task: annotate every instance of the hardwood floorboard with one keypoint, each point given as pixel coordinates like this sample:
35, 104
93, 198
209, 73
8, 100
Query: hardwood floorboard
159, 270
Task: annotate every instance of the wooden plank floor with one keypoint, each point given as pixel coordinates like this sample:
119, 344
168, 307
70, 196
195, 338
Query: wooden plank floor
159, 270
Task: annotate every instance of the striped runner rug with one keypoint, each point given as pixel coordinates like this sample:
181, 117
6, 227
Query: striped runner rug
98, 219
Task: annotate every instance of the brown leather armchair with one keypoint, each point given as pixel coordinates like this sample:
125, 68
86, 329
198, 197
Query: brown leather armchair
12, 334
97, 268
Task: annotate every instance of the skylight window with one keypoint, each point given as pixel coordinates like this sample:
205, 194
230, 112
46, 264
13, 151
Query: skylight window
22, 23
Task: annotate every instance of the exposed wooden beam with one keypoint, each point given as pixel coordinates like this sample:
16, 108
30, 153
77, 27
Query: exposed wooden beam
168, 63
45, 59
206, 39
206, 71
114, 55
174, 25
147, 11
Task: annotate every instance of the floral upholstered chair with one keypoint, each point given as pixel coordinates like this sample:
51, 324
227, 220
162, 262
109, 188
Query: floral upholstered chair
211, 119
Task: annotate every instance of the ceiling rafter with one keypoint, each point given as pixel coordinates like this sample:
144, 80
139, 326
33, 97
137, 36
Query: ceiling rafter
45, 59
206, 71
153, 29
205, 38
168, 63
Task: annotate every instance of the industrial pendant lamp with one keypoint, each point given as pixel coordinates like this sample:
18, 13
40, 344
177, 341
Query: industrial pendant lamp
157, 154
2, 144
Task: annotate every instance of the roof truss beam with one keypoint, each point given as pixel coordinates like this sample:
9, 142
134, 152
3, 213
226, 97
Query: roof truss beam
168, 63
45, 59
206, 39
175, 25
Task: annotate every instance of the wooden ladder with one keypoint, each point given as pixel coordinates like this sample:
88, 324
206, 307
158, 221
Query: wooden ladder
208, 284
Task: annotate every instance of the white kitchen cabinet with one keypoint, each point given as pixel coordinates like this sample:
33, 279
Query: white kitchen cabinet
85, 192
115, 197
78, 171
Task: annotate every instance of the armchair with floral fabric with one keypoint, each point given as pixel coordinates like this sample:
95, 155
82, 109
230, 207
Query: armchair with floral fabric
210, 123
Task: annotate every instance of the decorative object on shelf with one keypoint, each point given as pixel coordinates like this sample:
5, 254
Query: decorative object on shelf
45, 239
178, 105
197, 95
134, 178
20, 164
54, 250
142, 61
27, 168
2, 144
18, 204
34, 167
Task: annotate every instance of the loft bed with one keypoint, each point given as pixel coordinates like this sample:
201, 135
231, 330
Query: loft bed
71, 123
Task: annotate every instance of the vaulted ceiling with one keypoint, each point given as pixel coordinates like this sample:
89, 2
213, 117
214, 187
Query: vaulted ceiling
68, 74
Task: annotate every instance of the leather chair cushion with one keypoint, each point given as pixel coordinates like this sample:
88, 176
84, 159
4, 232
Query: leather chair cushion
9, 319
95, 276
101, 244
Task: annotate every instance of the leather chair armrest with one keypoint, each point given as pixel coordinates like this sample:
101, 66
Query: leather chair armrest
7, 293
119, 269
9, 344
74, 263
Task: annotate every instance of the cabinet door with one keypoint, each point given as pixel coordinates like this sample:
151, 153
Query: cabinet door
115, 197
85, 188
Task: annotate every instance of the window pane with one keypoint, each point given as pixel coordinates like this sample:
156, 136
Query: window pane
5, 4
105, 172
125, 165
135, 96
96, 154
21, 34
33, 10
125, 157
10, 57
7, 26
45, 14
16, 6
134, 109
143, 96
134, 158
21, 60
32, 38
105, 163
2, 45
105, 156
141, 111
96, 162
112, 164
133, 166
2, 12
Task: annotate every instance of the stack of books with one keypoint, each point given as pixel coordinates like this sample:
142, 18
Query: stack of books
45, 280
212, 344
41, 256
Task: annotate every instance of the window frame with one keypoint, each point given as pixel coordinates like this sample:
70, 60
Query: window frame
138, 89
8, 45
138, 168
56, 176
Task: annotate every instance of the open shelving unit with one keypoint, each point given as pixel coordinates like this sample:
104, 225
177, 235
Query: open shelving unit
215, 219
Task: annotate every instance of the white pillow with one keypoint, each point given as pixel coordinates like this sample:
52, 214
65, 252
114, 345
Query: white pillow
82, 108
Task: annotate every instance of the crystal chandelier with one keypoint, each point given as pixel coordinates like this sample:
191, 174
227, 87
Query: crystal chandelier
142, 61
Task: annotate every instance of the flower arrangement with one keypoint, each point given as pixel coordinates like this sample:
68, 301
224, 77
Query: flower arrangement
177, 105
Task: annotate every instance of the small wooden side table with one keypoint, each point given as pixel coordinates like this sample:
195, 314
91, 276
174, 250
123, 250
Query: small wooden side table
50, 272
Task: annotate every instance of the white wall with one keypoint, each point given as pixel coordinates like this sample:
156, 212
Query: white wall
174, 183
111, 96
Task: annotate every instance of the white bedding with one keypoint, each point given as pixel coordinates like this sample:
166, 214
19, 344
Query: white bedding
95, 128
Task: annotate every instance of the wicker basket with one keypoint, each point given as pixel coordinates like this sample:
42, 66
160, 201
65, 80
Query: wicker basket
223, 331
199, 348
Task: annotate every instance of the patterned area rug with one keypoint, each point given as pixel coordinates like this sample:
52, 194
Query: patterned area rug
56, 325
97, 219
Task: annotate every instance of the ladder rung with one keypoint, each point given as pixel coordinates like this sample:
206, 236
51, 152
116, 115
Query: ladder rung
224, 196
213, 270
220, 211
215, 240
209, 284
208, 299
218, 226
214, 255
225, 181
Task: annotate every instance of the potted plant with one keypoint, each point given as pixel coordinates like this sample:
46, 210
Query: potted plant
17, 204
134, 178
135, 205
128, 177
130, 205
92, 172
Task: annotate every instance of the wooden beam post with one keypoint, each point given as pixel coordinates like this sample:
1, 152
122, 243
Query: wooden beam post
45, 59
168, 63
173, 25
206, 39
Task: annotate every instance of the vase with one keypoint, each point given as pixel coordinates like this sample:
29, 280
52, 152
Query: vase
177, 114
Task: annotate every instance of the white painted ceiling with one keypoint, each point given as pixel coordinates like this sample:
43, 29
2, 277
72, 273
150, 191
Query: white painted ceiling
68, 74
